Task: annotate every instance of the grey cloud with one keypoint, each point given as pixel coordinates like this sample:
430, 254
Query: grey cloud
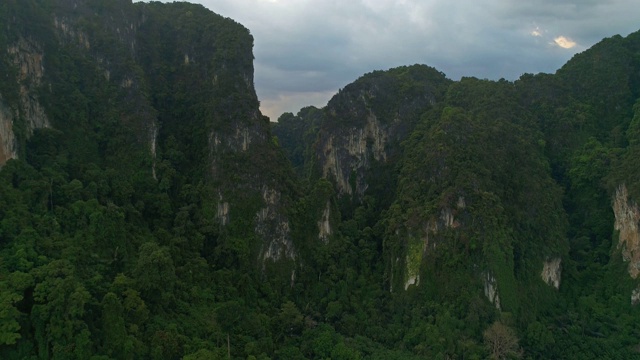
307, 49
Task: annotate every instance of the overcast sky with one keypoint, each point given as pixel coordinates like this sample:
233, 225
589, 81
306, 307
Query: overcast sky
305, 50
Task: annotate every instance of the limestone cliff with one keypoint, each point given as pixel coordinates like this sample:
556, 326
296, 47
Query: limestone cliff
208, 110
491, 290
552, 272
627, 222
274, 228
461, 200
7, 138
27, 57
151, 88
324, 224
421, 246
365, 122
61, 62
347, 155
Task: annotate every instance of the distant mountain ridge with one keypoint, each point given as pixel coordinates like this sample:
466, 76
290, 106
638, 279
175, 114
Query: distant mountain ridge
148, 209
503, 187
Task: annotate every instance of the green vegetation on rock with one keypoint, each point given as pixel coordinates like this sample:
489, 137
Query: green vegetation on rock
151, 212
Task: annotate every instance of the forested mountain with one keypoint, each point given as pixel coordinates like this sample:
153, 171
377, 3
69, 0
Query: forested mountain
500, 210
148, 209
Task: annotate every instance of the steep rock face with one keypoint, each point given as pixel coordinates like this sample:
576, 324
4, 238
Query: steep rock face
27, 57
240, 139
420, 247
351, 152
635, 296
359, 131
365, 122
208, 111
7, 138
62, 64
72, 35
274, 228
462, 196
222, 211
491, 290
552, 272
177, 97
627, 216
324, 224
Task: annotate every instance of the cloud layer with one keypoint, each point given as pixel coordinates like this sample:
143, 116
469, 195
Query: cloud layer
305, 50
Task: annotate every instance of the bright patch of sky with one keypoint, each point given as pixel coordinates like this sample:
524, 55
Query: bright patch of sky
564, 42
536, 32
305, 50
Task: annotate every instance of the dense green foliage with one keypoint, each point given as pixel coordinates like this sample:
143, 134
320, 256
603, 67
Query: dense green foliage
494, 180
295, 133
115, 242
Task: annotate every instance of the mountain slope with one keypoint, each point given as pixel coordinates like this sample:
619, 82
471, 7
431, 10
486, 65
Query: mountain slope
137, 171
512, 192
146, 210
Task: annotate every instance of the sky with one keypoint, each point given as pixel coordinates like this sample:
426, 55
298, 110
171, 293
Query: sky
305, 50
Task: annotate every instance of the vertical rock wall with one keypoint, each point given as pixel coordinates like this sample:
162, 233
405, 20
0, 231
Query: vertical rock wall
7, 138
349, 153
552, 272
627, 216
27, 57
